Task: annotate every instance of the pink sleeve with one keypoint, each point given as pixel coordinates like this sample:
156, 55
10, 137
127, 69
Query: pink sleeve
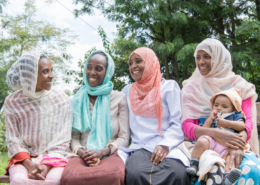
246, 108
189, 126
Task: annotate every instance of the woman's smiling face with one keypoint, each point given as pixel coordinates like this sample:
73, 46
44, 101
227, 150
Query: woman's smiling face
45, 75
203, 61
96, 70
136, 67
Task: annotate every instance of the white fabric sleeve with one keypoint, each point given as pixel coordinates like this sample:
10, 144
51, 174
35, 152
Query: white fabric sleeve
75, 142
173, 136
122, 139
14, 144
126, 89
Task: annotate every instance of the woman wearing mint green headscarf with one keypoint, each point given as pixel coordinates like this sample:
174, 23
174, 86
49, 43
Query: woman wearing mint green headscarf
100, 127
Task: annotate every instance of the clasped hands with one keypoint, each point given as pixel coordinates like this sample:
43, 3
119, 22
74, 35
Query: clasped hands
36, 171
92, 157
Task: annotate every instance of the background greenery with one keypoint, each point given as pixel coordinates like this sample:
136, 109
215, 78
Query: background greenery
172, 28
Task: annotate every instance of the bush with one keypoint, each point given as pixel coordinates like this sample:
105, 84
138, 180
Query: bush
3, 147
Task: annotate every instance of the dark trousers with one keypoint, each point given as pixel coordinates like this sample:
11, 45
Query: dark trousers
141, 171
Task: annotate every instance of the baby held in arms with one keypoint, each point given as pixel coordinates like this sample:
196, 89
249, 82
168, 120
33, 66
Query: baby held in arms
226, 114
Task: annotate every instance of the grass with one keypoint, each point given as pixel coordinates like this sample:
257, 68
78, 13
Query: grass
3, 163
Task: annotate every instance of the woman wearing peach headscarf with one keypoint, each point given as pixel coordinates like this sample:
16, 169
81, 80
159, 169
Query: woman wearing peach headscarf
214, 74
155, 123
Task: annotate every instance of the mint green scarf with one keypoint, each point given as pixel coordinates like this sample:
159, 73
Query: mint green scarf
99, 124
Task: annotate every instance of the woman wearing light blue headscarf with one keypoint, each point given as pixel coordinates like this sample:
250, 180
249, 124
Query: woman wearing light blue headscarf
100, 126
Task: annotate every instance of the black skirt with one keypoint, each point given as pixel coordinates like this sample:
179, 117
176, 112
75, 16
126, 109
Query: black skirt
141, 171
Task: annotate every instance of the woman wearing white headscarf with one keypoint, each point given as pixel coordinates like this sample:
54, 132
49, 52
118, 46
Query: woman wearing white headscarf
38, 123
214, 74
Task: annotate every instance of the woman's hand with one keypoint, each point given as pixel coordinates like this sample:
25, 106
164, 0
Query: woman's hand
159, 153
33, 168
93, 157
236, 156
41, 173
91, 154
229, 139
93, 162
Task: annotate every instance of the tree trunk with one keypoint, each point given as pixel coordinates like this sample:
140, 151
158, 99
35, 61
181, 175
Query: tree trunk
257, 3
167, 75
220, 28
175, 68
21, 50
185, 74
232, 17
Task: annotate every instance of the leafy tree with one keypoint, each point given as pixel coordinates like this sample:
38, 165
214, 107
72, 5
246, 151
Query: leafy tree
24, 33
2, 4
174, 28
153, 24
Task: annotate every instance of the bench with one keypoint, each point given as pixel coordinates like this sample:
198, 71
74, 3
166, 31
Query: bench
5, 178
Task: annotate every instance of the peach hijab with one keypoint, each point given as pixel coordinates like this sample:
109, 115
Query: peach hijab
198, 90
145, 94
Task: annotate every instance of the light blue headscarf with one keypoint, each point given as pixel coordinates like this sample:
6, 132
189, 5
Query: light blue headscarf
99, 124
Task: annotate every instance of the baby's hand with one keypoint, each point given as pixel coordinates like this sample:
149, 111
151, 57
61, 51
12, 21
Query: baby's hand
213, 115
221, 122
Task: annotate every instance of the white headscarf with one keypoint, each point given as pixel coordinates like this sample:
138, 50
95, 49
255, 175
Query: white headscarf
36, 122
198, 90
23, 75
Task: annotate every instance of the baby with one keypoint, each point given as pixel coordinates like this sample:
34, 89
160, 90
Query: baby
229, 104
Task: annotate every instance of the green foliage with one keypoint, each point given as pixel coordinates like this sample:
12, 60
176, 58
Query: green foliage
174, 28
24, 33
2, 4
3, 163
2, 133
246, 55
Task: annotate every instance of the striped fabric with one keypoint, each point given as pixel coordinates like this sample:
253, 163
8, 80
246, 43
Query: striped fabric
53, 161
38, 126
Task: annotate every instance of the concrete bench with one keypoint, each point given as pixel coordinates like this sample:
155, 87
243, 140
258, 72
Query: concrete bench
5, 178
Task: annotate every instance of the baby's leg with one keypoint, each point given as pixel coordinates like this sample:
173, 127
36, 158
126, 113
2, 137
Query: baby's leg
201, 145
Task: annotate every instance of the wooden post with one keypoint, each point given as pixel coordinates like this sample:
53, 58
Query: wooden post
258, 113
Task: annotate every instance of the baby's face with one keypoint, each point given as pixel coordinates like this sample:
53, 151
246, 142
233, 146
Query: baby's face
223, 104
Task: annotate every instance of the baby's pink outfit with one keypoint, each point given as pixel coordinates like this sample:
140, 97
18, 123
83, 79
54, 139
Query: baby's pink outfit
214, 145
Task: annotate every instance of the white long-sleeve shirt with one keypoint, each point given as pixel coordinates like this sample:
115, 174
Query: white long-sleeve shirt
144, 130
